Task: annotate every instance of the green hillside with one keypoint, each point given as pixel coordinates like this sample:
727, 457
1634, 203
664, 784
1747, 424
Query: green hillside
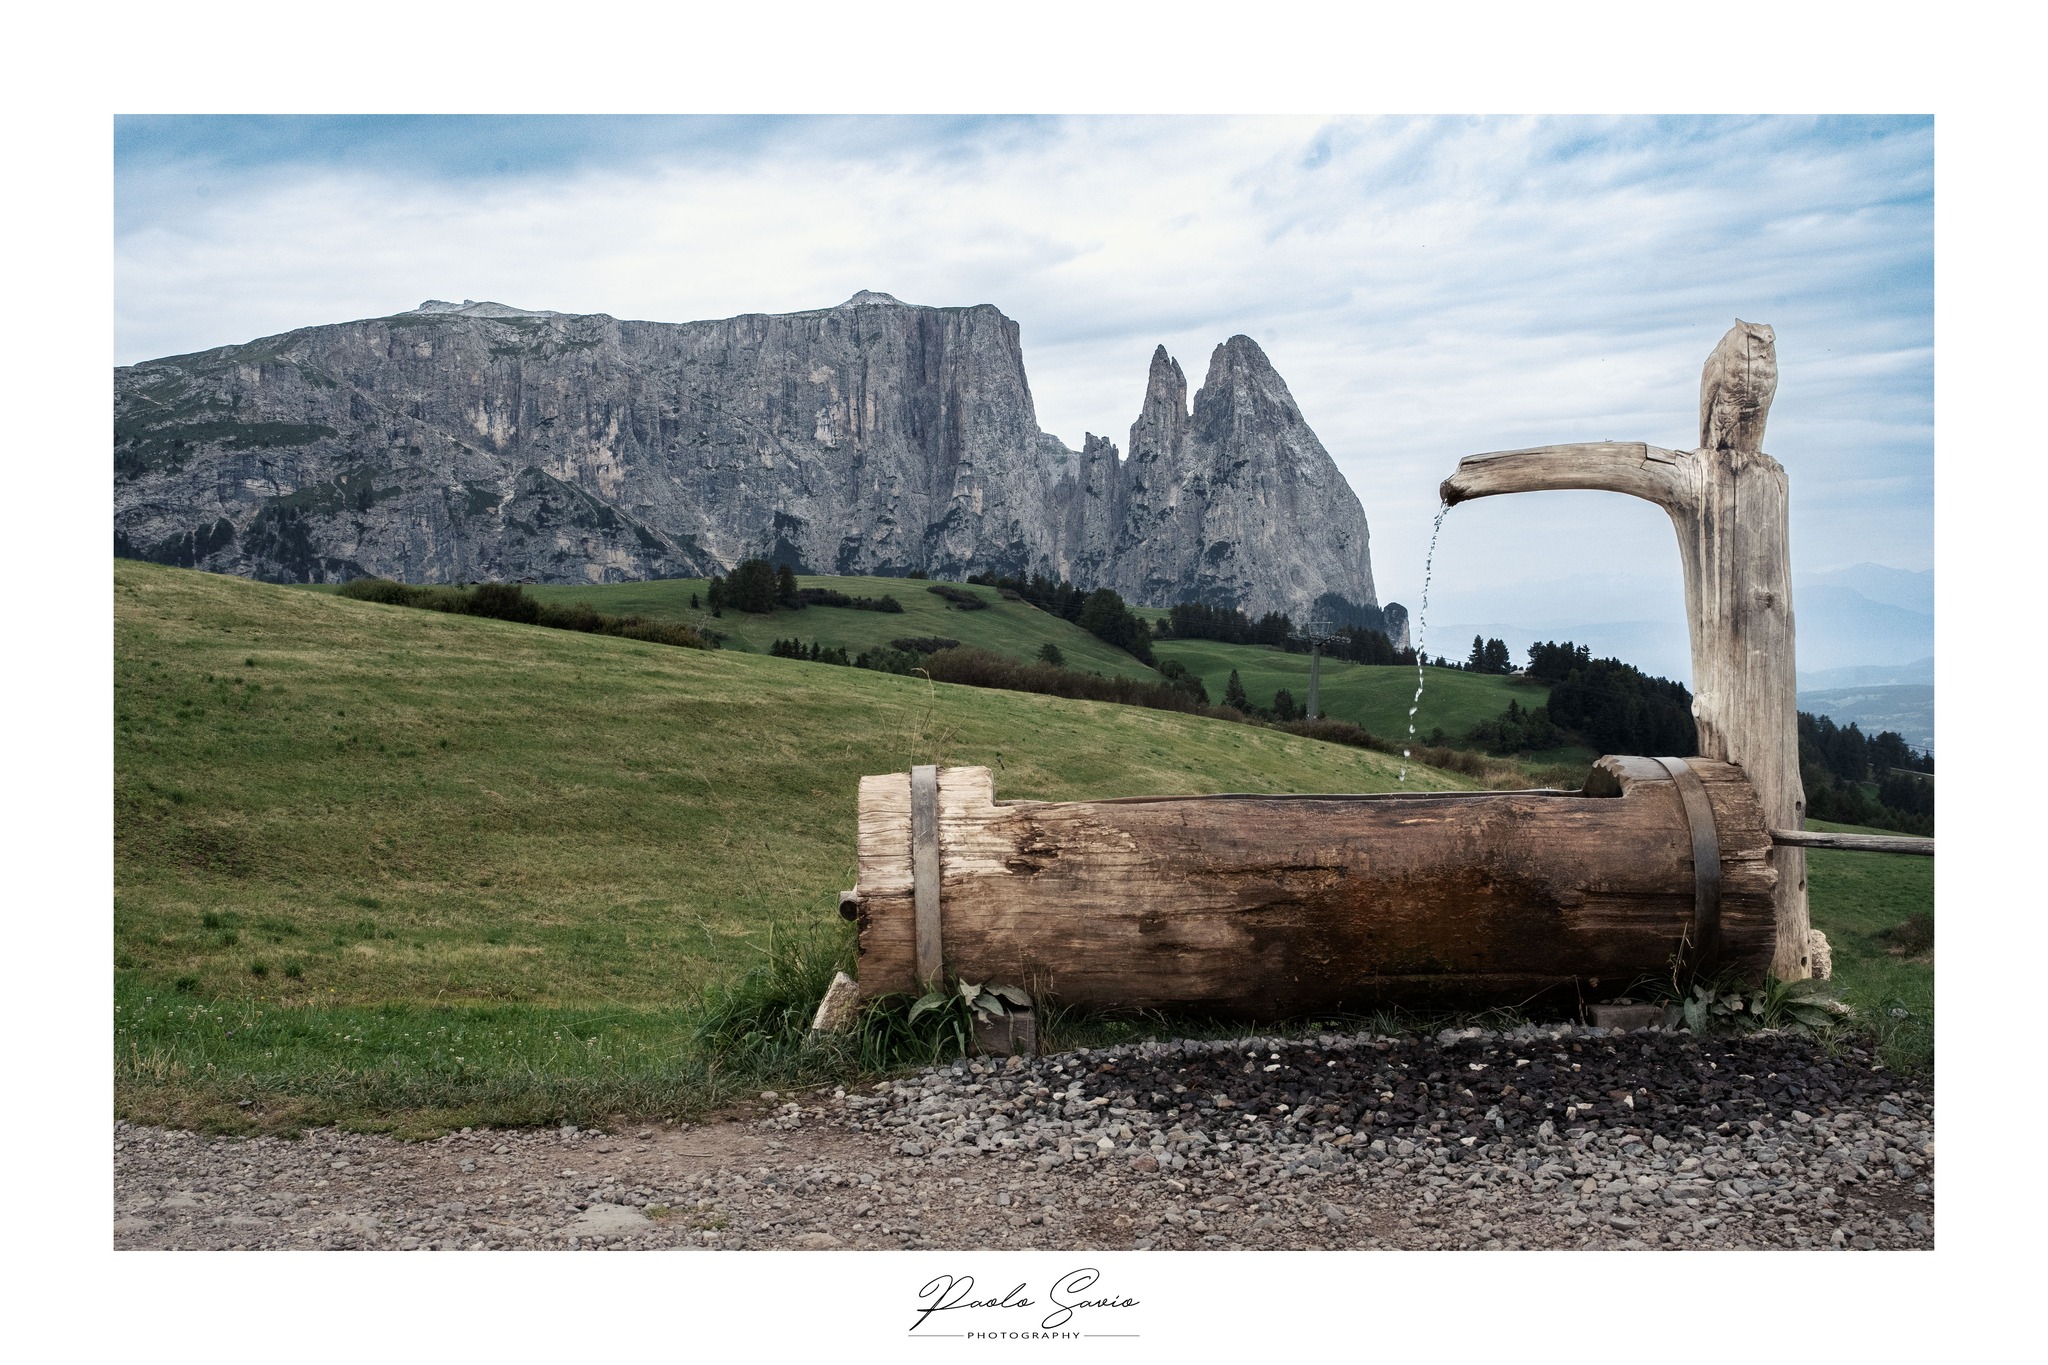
1374, 696
335, 818
1016, 629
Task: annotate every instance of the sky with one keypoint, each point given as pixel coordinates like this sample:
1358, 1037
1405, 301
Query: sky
1429, 287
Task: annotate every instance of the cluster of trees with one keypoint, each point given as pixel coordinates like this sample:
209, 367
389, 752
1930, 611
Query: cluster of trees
1053, 595
1550, 661
1181, 679
1102, 613
509, 602
757, 586
814, 652
832, 597
1516, 731
1282, 711
959, 599
1860, 779
1358, 645
1619, 709
1489, 656
1226, 625
1609, 705
901, 656
1847, 753
980, 668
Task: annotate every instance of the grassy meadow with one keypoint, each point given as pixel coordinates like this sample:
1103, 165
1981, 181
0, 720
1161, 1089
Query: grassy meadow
406, 870
388, 865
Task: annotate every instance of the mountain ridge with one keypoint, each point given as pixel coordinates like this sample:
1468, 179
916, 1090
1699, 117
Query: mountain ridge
456, 442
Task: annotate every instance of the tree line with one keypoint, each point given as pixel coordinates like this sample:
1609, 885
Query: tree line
1226, 625
1860, 779
1606, 704
1103, 612
757, 587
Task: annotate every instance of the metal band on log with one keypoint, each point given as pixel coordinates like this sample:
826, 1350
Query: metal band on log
1706, 862
1270, 905
924, 874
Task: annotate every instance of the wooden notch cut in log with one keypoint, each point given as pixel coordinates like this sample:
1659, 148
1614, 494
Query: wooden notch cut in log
1276, 905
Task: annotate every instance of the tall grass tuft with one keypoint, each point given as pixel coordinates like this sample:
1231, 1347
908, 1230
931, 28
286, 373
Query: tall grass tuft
759, 1022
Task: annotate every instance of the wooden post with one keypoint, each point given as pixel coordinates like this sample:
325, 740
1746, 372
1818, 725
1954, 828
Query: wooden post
1730, 508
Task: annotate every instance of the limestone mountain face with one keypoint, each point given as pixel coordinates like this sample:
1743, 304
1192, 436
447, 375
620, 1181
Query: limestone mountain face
1236, 502
466, 442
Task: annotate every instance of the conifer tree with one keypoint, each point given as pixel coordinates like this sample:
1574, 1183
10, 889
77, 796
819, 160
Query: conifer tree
1233, 693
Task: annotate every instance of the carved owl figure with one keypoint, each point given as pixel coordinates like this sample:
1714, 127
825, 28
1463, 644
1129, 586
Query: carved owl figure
1737, 386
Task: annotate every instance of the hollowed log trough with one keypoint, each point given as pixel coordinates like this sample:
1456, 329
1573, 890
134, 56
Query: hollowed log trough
1269, 906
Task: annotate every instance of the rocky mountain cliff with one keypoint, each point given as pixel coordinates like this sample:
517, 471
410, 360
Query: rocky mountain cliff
463, 442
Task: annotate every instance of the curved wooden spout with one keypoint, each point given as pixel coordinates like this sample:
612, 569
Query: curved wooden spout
1632, 467
1730, 510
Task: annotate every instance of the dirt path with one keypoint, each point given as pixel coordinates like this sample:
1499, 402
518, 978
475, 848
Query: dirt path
1040, 1155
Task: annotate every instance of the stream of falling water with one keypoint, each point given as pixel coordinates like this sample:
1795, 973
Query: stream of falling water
1422, 633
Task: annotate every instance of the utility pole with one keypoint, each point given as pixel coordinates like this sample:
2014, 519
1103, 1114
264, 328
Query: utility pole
1317, 634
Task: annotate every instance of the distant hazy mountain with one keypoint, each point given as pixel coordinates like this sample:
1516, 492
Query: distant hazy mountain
1893, 587
1920, 671
1864, 614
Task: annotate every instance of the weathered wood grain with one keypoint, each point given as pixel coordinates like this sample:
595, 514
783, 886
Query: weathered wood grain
1271, 905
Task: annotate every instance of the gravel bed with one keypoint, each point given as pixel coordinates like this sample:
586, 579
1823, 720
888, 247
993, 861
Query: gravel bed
1541, 1137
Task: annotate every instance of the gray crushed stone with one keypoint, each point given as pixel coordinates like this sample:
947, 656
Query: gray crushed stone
1538, 1138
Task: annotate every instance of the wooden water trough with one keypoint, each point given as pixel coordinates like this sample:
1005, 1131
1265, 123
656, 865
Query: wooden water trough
1276, 905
